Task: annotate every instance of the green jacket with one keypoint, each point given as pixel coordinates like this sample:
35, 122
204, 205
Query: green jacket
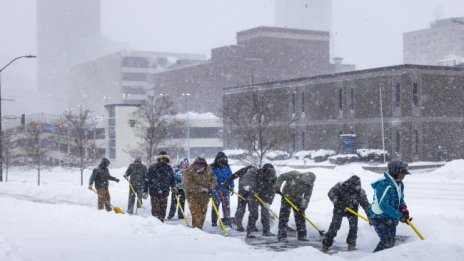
298, 186
136, 172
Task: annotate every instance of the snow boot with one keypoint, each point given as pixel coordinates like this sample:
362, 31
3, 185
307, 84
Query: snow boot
240, 228
325, 249
351, 247
250, 234
305, 239
268, 234
283, 239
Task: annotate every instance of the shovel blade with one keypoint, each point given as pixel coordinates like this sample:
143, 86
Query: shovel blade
118, 210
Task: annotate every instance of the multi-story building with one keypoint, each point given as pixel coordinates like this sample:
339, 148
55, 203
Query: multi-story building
441, 44
261, 54
419, 107
198, 135
304, 14
121, 77
68, 32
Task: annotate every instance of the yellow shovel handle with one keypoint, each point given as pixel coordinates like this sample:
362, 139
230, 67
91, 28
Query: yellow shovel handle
357, 214
133, 191
224, 230
304, 216
266, 206
182, 211
415, 229
240, 196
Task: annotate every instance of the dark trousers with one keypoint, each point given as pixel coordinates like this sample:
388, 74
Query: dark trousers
172, 209
253, 206
335, 226
222, 199
241, 208
104, 199
133, 198
386, 230
284, 217
159, 206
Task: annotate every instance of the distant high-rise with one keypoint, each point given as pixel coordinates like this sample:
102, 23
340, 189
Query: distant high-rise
304, 14
441, 44
68, 32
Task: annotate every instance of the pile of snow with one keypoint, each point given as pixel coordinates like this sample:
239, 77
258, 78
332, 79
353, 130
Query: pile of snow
236, 153
59, 221
303, 154
277, 155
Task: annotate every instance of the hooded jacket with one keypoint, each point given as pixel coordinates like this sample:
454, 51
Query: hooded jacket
388, 197
160, 178
195, 182
298, 186
266, 179
136, 171
101, 177
222, 172
349, 194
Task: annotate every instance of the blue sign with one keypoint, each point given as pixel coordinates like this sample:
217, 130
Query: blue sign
49, 128
347, 143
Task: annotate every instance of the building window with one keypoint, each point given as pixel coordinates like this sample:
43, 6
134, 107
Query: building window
352, 99
303, 140
416, 141
340, 99
135, 62
303, 102
134, 76
294, 102
398, 141
112, 153
136, 90
398, 94
415, 95
111, 112
111, 133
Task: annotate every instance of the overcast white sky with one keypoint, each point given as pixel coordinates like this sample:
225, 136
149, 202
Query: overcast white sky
367, 33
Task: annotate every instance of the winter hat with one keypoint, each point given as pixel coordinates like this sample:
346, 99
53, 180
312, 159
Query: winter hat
395, 168
138, 159
162, 153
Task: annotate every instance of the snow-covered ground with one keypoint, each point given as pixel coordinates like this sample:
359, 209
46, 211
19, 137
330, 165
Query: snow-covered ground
59, 221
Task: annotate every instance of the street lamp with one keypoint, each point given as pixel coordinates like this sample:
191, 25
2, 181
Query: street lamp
188, 123
1, 132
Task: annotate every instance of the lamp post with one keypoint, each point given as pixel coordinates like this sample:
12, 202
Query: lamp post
381, 119
188, 123
1, 131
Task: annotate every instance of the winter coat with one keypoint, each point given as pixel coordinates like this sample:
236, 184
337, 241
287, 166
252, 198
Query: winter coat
388, 197
195, 183
101, 177
136, 172
247, 181
178, 172
298, 186
222, 172
160, 178
265, 184
349, 194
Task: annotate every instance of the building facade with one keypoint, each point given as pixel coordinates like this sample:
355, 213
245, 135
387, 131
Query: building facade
121, 77
198, 135
261, 54
441, 44
419, 108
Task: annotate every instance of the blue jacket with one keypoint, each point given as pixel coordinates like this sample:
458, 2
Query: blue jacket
221, 177
388, 197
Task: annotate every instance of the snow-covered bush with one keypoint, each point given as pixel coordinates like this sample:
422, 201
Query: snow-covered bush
277, 155
322, 155
236, 153
373, 155
343, 159
303, 154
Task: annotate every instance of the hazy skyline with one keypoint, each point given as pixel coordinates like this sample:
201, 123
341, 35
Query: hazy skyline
366, 33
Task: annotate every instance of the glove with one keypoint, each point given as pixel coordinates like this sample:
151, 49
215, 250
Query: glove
145, 195
277, 191
117, 180
125, 176
405, 211
302, 212
370, 221
90, 187
405, 218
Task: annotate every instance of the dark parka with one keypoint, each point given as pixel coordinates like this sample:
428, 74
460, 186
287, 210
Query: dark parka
136, 171
101, 177
160, 178
298, 186
348, 194
266, 178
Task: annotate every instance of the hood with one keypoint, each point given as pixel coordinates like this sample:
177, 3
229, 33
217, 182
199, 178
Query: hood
166, 157
353, 183
308, 178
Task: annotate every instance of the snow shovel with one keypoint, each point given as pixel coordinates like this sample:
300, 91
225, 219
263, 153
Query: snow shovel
117, 210
321, 232
274, 215
357, 214
408, 221
226, 220
136, 196
224, 230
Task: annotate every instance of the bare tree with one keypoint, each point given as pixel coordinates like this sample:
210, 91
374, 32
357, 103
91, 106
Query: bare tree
153, 124
36, 145
80, 134
258, 123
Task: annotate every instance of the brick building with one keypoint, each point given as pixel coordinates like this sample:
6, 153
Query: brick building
421, 105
